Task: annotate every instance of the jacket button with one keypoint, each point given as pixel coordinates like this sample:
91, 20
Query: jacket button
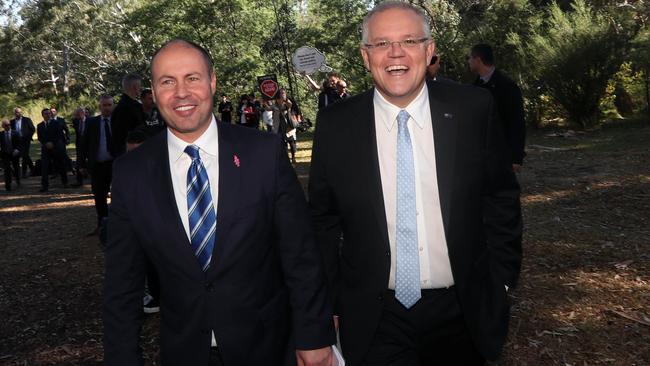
388, 253
209, 287
380, 297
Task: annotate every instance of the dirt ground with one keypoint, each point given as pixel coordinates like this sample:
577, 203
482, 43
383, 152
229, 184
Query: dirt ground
583, 298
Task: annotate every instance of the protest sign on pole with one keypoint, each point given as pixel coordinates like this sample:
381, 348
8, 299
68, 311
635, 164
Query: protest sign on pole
268, 85
308, 60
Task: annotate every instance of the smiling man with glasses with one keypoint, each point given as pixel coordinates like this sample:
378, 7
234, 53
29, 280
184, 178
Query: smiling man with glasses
432, 240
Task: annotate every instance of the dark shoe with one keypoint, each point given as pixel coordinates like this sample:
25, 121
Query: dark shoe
66, 185
43, 190
76, 185
151, 305
94, 232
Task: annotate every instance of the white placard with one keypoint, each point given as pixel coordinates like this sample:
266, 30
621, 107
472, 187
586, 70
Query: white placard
308, 60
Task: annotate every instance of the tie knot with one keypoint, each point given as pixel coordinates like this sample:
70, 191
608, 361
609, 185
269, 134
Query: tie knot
192, 151
402, 118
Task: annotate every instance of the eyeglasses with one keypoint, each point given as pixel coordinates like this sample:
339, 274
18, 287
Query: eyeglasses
406, 43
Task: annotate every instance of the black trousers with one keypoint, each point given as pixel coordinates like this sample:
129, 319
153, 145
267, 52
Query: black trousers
101, 176
215, 357
430, 333
27, 160
10, 162
56, 156
153, 283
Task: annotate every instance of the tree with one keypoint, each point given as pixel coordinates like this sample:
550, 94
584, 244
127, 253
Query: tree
574, 54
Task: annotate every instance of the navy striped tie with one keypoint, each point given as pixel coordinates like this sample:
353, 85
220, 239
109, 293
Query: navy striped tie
200, 209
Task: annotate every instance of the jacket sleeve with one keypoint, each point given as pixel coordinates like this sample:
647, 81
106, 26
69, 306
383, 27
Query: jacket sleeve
324, 210
124, 278
515, 115
301, 261
501, 207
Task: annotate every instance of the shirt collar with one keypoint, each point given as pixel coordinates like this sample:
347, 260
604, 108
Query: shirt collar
488, 75
206, 142
415, 109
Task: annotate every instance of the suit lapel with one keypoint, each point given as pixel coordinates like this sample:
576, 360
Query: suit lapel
366, 142
229, 185
168, 209
445, 131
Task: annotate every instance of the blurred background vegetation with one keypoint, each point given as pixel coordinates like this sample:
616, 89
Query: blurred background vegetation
578, 62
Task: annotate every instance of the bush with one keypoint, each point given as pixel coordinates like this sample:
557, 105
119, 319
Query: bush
575, 55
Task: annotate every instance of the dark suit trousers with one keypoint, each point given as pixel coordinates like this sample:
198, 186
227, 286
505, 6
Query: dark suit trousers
8, 163
27, 160
100, 180
56, 156
431, 333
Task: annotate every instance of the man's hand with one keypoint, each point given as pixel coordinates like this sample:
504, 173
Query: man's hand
317, 357
517, 168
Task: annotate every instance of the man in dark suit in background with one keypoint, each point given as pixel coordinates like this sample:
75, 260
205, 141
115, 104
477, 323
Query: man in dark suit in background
241, 281
97, 158
510, 104
414, 178
52, 136
25, 127
128, 114
79, 123
10, 145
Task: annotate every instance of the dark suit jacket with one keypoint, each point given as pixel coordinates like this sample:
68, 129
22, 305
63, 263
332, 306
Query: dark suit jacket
27, 128
510, 108
126, 117
87, 148
16, 143
77, 133
264, 294
55, 133
479, 198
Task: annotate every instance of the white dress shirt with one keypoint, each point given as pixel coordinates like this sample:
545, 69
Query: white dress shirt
19, 124
435, 268
488, 75
179, 164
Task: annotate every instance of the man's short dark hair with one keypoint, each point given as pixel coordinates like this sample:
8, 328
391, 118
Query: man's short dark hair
44, 110
129, 79
484, 52
204, 53
105, 96
135, 137
145, 92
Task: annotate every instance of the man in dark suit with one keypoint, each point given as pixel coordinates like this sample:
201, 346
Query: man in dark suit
415, 208
67, 162
79, 125
510, 104
52, 136
128, 114
241, 281
95, 156
25, 127
10, 145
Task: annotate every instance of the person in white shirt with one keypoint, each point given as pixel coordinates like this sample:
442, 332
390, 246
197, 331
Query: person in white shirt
415, 207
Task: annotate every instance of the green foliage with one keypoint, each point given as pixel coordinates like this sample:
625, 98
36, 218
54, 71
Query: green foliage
575, 53
563, 54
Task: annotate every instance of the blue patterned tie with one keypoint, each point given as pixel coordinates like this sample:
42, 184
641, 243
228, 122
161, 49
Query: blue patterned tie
200, 208
407, 271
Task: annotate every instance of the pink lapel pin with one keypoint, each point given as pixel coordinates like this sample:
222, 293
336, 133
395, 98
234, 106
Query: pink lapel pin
235, 160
